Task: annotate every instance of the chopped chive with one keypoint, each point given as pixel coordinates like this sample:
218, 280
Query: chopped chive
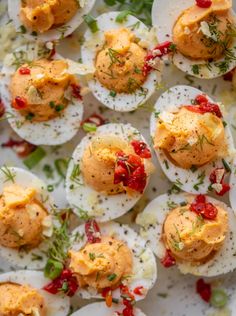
112, 277
50, 188
112, 93
23, 29
121, 17
61, 167
34, 158
89, 127
91, 22
195, 69
226, 166
218, 298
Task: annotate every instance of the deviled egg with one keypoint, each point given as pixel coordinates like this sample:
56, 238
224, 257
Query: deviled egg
108, 172
109, 260
101, 310
202, 32
196, 233
47, 20
21, 293
118, 50
42, 95
232, 193
26, 219
192, 141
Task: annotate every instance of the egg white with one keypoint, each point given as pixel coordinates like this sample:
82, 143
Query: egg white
122, 102
153, 218
56, 304
100, 309
23, 259
53, 132
164, 16
232, 192
53, 34
101, 206
144, 264
170, 101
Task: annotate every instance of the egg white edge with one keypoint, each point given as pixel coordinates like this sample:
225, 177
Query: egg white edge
155, 214
169, 101
61, 129
122, 102
164, 16
90, 201
25, 259
135, 243
56, 304
54, 34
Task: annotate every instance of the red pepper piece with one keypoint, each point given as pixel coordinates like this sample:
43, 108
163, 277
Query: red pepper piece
66, 283
141, 149
158, 52
19, 103
76, 91
213, 178
128, 311
107, 294
21, 147
95, 119
229, 75
205, 108
204, 3
92, 231
201, 98
2, 108
168, 261
204, 290
139, 290
138, 180
205, 209
24, 71
225, 188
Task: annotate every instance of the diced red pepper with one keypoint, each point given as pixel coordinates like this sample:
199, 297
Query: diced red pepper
204, 290
66, 283
141, 149
19, 103
229, 75
202, 207
213, 178
204, 106
92, 231
2, 108
137, 180
107, 294
158, 52
76, 91
204, 3
21, 147
95, 119
24, 71
168, 261
128, 311
139, 290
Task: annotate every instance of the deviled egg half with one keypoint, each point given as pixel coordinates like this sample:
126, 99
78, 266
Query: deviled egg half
101, 310
232, 193
192, 141
108, 172
21, 293
42, 95
47, 20
118, 51
195, 232
110, 260
202, 32
26, 219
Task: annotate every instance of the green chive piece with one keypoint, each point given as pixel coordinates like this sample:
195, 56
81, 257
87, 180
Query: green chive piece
91, 22
34, 158
89, 127
121, 17
53, 269
218, 298
112, 277
226, 166
61, 167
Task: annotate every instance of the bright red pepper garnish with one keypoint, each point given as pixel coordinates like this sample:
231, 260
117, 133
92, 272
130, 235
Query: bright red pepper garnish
76, 91
139, 290
66, 283
213, 178
128, 300
107, 294
95, 119
2, 108
204, 290
202, 207
158, 52
21, 147
204, 3
141, 149
130, 171
168, 261
204, 106
19, 103
24, 71
92, 231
